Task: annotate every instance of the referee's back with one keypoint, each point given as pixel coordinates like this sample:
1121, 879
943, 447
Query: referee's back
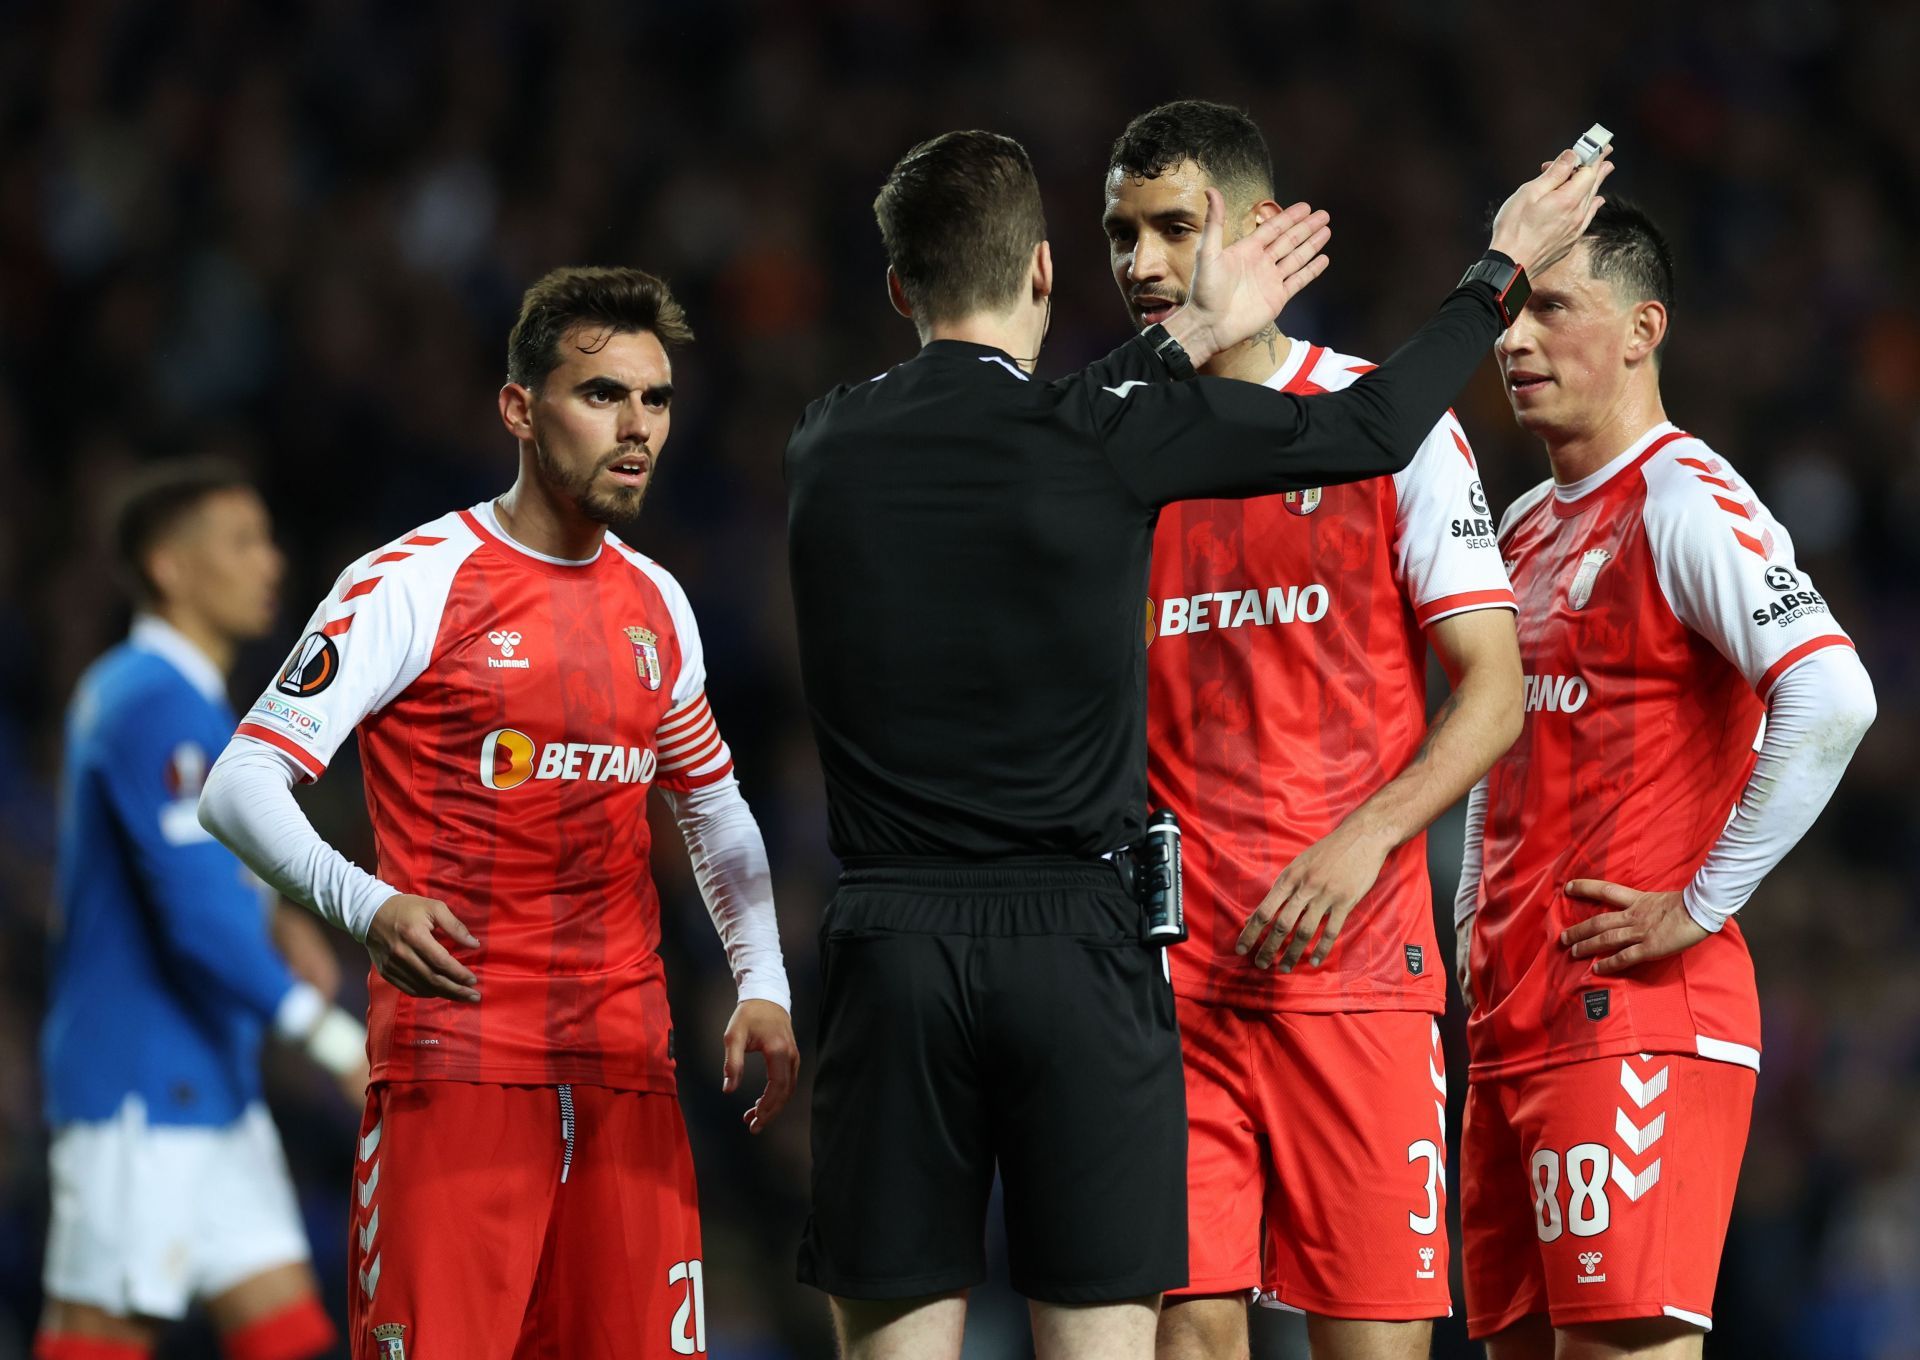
969, 573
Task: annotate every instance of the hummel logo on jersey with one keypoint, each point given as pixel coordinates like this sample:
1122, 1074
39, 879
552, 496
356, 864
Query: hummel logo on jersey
506, 641
1426, 1264
1554, 693
1239, 608
1590, 1263
507, 760
1582, 588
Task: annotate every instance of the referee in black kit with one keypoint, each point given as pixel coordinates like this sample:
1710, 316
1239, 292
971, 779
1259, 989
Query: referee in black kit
969, 555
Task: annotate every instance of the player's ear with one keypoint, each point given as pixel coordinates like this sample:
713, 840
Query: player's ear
165, 570
1042, 271
516, 410
1263, 210
1649, 329
897, 295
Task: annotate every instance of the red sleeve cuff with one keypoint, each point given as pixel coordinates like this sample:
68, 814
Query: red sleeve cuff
1465, 602
293, 748
1794, 657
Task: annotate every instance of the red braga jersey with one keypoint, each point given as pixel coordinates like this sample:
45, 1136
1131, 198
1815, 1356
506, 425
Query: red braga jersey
513, 711
1659, 602
1286, 672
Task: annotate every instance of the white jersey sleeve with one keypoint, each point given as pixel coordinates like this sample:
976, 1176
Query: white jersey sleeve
367, 641
1726, 568
1444, 551
692, 752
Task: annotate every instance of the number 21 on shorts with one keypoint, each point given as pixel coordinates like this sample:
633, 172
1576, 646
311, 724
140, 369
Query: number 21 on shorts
689, 1332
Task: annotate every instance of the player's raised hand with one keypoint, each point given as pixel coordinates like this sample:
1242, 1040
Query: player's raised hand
1542, 219
401, 938
765, 1028
1239, 289
1318, 889
1646, 926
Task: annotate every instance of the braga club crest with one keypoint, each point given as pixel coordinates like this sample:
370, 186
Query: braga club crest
1582, 588
646, 655
1302, 502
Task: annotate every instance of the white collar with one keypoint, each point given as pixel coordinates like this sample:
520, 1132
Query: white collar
153, 634
1612, 468
1297, 352
484, 512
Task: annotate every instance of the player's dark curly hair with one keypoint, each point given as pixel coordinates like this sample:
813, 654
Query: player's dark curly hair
1223, 141
615, 301
156, 500
959, 216
1625, 248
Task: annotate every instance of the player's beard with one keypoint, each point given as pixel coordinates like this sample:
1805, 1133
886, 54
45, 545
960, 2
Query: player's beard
617, 506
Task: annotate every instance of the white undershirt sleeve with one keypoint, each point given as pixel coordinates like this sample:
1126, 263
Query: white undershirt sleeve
730, 864
1817, 711
1466, 898
248, 805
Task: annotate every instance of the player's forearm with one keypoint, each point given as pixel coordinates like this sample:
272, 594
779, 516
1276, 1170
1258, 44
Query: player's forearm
1816, 715
248, 805
1477, 723
729, 858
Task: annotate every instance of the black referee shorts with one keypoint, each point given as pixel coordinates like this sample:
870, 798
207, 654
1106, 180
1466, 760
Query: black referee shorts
982, 1015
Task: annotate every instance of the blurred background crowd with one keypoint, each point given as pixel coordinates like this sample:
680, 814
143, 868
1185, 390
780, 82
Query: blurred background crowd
297, 234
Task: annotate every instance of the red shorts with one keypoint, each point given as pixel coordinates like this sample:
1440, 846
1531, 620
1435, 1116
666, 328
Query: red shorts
1600, 1190
1332, 1130
480, 1231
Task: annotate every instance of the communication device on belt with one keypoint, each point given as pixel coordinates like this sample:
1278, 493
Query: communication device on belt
1155, 880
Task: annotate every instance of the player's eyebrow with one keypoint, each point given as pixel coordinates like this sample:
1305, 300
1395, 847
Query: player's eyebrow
659, 394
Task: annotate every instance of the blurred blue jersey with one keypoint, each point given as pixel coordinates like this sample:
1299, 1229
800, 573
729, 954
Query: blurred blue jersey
164, 975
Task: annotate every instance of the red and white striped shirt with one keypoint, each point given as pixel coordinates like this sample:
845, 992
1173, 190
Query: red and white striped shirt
513, 710
1286, 673
1659, 603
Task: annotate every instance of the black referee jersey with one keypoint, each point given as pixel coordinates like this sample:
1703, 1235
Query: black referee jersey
969, 551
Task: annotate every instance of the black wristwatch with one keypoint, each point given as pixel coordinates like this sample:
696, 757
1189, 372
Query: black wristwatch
1507, 279
1167, 350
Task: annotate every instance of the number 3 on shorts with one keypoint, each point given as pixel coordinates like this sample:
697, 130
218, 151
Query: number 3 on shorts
1588, 1212
693, 1309
1428, 1151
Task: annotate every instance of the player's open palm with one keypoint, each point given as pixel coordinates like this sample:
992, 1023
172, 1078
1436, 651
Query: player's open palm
1644, 926
1313, 896
403, 941
765, 1028
1239, 289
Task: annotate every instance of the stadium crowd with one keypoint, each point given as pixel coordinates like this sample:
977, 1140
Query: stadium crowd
296, 235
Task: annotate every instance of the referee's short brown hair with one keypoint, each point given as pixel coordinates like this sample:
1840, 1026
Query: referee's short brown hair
960, 216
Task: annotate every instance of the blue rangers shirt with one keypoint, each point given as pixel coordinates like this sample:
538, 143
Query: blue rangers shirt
164, 975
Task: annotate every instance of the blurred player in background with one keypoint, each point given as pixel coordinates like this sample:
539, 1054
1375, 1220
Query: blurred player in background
1615, 1029
168, 1180
1287, 726
520, 678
